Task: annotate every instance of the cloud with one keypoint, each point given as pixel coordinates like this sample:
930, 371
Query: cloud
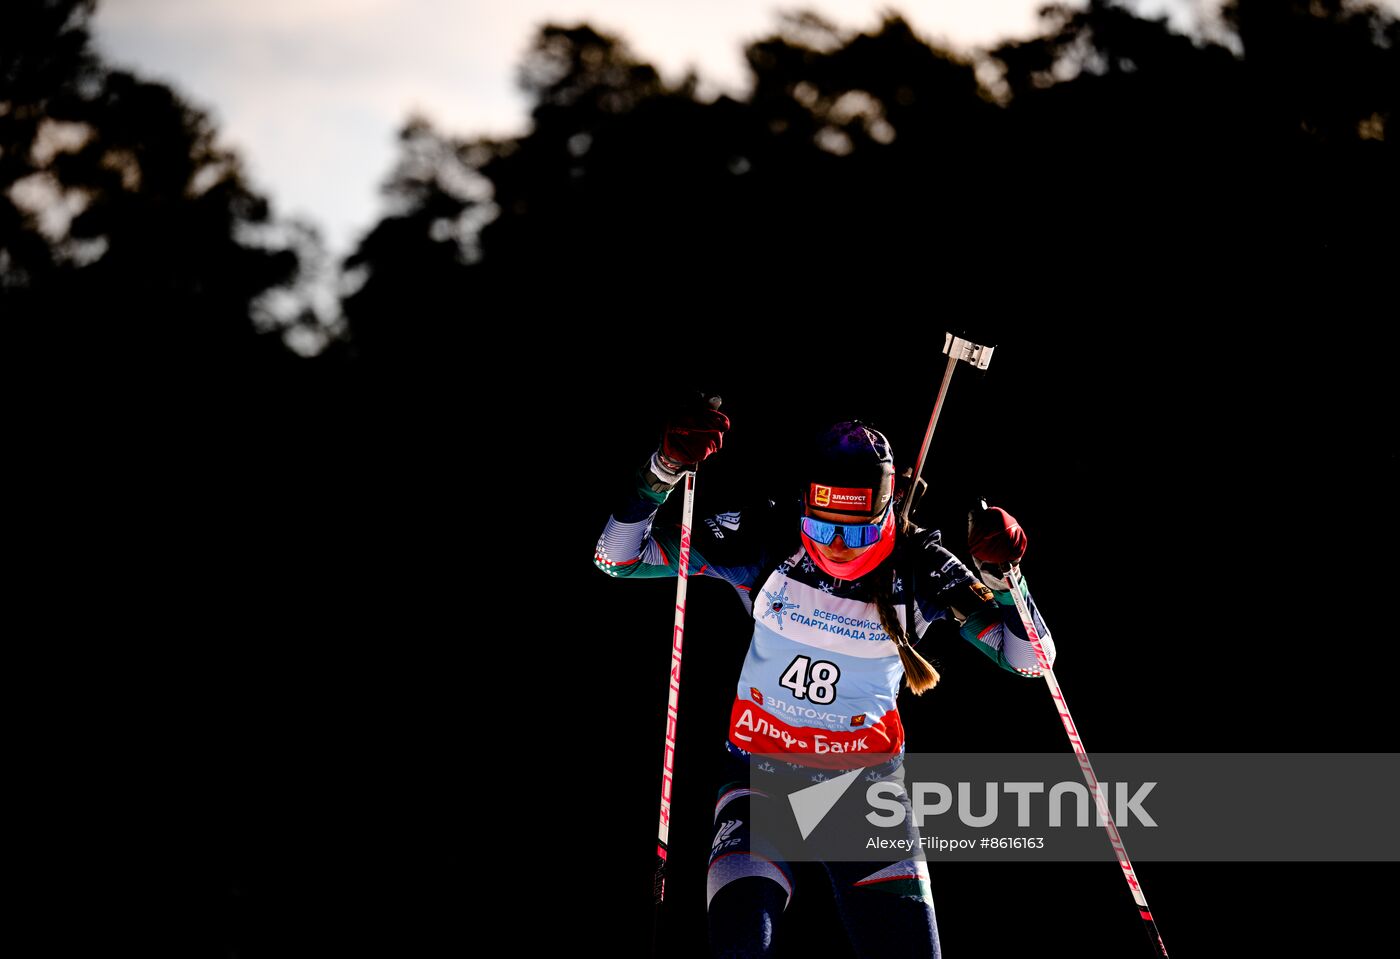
232, 14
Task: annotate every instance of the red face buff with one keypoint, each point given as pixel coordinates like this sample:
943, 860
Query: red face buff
862, 564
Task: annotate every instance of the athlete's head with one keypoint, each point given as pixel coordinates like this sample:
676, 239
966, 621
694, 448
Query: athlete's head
848, 493
848, 525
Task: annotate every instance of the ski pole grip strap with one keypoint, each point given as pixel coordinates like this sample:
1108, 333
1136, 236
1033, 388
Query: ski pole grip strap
994, 576
661, 479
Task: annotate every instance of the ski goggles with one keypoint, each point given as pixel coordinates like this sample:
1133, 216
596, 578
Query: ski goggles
854, 535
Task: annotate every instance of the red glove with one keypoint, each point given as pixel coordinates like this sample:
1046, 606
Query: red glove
691, 436
994, 537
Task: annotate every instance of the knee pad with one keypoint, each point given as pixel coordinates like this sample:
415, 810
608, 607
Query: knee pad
729, 867
732, 856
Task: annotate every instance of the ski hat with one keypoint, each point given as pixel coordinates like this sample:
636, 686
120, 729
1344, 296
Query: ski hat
850, 471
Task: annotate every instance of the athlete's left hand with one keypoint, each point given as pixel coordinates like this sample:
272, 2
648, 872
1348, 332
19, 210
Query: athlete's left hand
994, 537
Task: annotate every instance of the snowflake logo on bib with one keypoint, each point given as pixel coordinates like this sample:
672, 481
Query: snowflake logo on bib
778, 604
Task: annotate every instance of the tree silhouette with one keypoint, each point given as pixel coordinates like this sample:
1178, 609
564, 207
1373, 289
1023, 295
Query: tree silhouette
861, 167
119, 214
874, 167
1182, 147
627, 192
43, 61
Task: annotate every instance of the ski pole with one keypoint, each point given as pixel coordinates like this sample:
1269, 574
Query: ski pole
957, 349
1018, 593
668, 756
980, 357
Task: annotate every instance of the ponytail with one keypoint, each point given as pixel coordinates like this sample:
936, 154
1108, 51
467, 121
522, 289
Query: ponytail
919, 674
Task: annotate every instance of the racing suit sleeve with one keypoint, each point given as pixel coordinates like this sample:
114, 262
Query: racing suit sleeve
631, 546
984, 607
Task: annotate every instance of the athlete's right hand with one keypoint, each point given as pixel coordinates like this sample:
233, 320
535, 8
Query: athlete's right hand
692, 433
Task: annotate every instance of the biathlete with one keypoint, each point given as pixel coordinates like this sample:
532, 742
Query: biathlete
833, 601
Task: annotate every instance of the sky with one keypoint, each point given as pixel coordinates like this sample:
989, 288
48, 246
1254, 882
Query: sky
311, 93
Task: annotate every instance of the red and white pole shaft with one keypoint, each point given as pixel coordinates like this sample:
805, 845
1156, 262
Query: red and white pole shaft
673, 695
668, 758
1018, 593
